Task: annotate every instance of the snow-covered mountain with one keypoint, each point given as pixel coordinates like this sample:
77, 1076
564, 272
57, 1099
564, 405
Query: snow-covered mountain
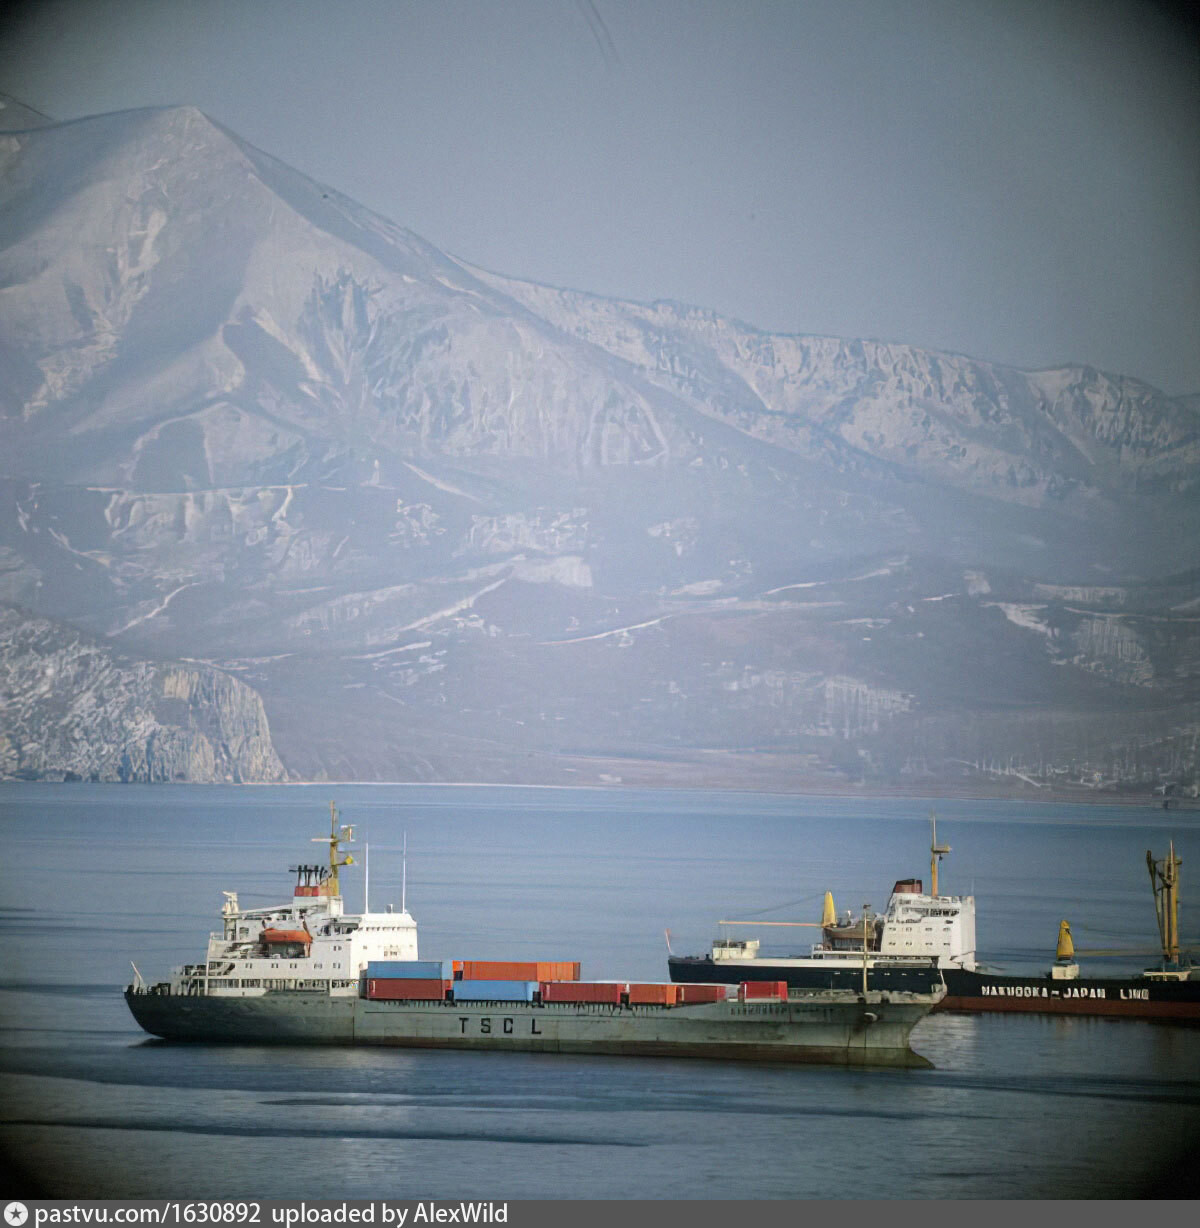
455, 525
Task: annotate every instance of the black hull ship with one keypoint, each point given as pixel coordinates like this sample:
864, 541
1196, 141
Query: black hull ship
1169, 991
1131, 997
923, 940
906, 949
831, 974
307, 972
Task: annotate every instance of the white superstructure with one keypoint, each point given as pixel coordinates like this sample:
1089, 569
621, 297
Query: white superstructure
308, 944
916, 930
928, 926
916, 925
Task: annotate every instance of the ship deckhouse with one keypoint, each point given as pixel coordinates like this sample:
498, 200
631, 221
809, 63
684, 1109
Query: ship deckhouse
928, 926
915, 928
917, 939
310, 943
915, 925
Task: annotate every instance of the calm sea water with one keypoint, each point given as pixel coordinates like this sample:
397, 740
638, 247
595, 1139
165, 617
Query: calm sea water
95, 876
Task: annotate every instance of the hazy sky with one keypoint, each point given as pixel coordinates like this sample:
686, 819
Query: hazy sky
1018, 181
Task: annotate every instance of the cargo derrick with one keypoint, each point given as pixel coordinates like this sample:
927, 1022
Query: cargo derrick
922, 941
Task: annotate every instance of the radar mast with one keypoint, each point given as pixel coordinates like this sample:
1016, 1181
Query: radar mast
338, 835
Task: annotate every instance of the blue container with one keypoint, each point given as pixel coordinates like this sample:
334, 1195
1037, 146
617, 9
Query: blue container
410, 969
494, 991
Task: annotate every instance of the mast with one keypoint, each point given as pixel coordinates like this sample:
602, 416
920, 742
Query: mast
936, 853
337, 837
404, 874
865, 913
1164, 882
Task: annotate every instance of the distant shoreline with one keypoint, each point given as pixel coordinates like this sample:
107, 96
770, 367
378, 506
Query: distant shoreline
1045, 795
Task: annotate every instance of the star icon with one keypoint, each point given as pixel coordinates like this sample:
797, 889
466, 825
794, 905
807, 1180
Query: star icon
15, 1214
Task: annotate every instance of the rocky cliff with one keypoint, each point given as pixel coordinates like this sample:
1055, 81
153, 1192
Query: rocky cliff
72, 709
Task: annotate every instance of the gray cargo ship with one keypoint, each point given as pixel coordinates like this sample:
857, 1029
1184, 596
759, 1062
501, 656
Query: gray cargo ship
305, 973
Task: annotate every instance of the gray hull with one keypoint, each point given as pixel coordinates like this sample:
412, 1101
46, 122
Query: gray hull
838, 1029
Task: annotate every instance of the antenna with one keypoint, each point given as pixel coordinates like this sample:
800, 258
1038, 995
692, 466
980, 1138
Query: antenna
404, 875
865, 914
366, 877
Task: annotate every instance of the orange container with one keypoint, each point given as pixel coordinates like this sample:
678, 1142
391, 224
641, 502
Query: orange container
763, 991
583, 991
499, 970
693, 995
653, 994
392, 989
560, 970
456, 966
519, 970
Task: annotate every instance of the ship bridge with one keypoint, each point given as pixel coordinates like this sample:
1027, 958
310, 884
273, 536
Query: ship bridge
309, 943
929, 925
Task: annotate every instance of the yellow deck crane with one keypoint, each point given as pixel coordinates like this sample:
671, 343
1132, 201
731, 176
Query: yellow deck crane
1164, 881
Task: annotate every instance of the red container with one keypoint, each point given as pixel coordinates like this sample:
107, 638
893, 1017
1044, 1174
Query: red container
694, 995
518, 970
608, 992
391, 989
763, 991
653, 994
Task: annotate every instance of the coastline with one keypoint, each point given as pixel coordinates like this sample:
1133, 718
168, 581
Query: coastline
923, 792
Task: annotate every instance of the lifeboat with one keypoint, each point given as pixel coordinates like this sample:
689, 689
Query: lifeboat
273, 938
850, 933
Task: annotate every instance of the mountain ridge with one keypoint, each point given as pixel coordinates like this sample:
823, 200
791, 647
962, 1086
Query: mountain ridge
510, 531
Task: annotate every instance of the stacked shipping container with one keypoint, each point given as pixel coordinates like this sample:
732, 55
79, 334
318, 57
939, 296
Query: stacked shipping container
406, 989
509, 970
653, 995
407, 980
411, 969
583, 991
763, 991
429, 980
696, 995
494, 991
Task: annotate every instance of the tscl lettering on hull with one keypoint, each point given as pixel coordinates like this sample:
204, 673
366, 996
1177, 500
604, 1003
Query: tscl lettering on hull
1040, 991
504, 1026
